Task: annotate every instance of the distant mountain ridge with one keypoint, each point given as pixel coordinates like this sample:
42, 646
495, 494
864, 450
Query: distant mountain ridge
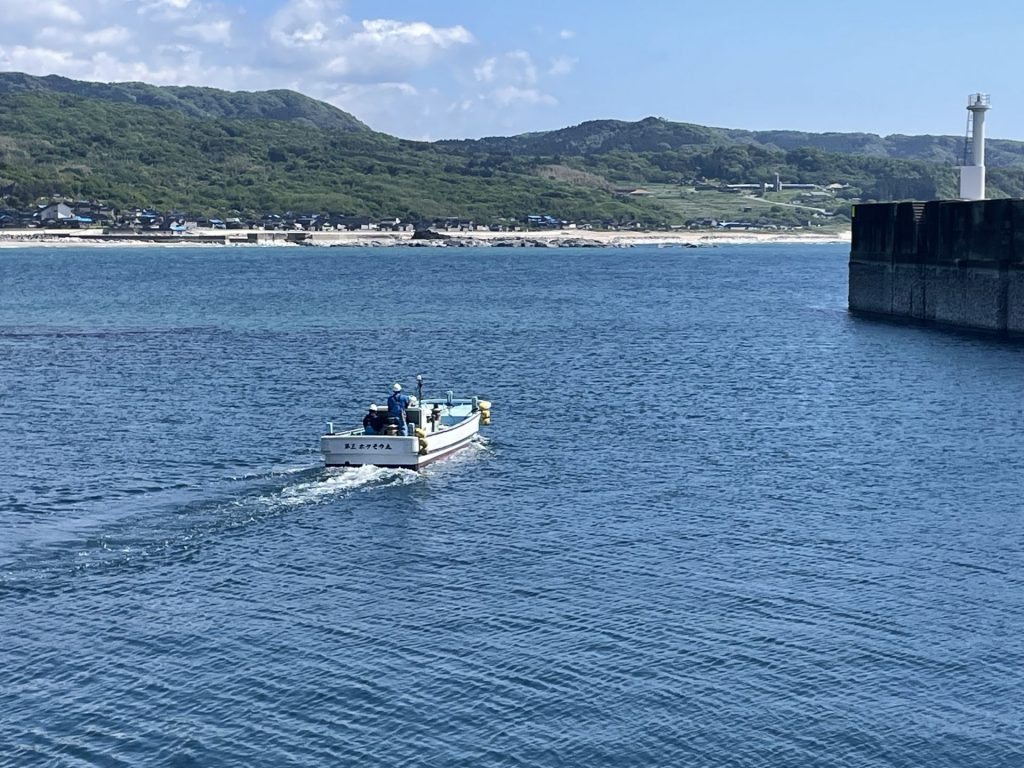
204, 149
653, 134
593, 137
193, 101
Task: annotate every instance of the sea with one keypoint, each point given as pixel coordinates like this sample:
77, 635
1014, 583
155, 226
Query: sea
716, 520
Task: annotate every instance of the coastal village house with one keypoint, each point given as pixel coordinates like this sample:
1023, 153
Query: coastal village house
56, 212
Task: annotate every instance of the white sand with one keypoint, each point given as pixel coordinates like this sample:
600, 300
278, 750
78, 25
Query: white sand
21, 237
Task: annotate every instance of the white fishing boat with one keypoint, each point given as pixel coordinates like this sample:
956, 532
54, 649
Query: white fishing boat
438, 427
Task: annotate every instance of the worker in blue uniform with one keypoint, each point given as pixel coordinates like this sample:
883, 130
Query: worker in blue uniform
397, 403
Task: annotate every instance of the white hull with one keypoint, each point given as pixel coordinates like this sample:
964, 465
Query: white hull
353, 448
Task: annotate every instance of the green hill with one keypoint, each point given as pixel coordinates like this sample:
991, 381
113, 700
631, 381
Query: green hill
199, 103
654, 134
656, 151
124, 153
208, 151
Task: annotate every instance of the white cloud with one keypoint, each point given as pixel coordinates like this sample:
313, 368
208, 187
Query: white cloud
165, 5
396, 75
304, 23
384, 47
508, 80
99, 67
12, 11
314, 34
562, 65
510, 95
317, 35
388, 32
486, 71
106, 68
515, 67
107, 36
567, 34
60, 12
465, 105
385, 106
355, 97
168, 8
179, 50
73, 40
21, 58
214, 32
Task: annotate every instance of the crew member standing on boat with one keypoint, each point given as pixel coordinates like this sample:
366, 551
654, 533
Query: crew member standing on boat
397, 403
373, 421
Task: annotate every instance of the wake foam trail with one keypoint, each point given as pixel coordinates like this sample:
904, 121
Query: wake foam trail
150, 539
338, 482
273, 473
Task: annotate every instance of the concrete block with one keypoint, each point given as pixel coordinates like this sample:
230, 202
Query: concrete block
1015, 301
909, 291
870, 287
954, 262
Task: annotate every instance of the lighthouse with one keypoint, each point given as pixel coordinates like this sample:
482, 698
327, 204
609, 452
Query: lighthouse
972, 172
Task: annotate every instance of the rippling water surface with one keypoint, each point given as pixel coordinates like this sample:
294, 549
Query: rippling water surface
716, 521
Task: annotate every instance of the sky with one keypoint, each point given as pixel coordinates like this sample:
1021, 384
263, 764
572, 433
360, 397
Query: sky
470, 68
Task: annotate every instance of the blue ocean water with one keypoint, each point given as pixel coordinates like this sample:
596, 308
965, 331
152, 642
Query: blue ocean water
716, 521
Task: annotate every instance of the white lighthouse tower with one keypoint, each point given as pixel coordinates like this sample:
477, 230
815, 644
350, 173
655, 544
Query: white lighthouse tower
972, 172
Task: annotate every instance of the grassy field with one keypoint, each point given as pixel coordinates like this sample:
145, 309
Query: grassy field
783, 208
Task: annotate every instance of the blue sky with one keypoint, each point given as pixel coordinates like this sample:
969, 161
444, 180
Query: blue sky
455, 68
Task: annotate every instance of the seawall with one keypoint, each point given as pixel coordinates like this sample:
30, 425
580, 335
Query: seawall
950, 262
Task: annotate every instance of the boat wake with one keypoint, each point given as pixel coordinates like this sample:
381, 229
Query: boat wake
336, 482
277, 474
154, 538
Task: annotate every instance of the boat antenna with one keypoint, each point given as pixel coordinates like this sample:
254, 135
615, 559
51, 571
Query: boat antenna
419, 387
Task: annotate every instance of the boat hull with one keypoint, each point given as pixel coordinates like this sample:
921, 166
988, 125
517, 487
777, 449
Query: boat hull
355, 449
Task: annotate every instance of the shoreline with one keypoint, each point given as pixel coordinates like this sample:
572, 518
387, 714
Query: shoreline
548, 238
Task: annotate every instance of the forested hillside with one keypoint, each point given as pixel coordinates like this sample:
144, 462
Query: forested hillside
204, 150
659, 151
654, 134
201, 103
56, 144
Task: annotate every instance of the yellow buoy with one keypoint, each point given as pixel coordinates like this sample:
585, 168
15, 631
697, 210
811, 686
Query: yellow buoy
485, 412
422, 440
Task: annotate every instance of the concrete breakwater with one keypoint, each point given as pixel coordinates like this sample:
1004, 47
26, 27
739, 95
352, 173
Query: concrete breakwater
949, 262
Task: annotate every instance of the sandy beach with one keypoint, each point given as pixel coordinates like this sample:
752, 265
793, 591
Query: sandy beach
549, 238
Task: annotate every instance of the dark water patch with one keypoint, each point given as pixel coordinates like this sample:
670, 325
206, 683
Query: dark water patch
29, 332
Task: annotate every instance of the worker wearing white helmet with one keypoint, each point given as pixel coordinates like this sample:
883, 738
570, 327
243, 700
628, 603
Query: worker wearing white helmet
397, 403
373, 421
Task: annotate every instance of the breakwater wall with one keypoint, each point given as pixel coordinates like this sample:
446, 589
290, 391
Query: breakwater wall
950, 262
